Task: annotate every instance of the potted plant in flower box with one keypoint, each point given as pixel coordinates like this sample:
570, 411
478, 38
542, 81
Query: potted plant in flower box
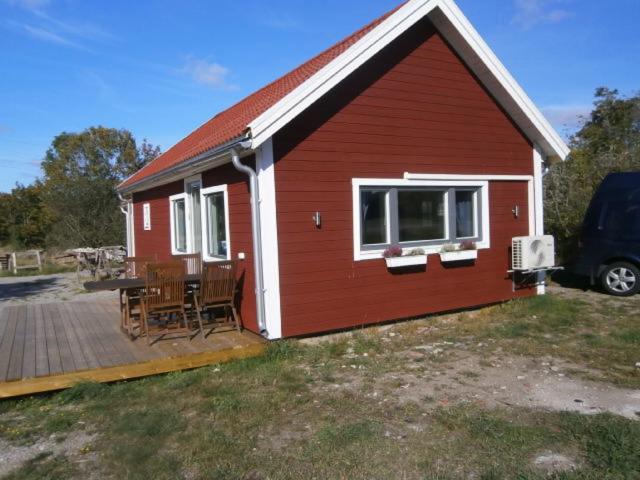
396, 258
466, 251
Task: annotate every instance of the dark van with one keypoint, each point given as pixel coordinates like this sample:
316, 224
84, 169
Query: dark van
610, 241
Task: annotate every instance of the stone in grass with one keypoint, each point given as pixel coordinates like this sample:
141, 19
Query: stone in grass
551, 463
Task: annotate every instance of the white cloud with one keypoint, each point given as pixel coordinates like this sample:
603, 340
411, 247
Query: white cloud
34, 5
210, 74
568, 118
530, 13
48, 36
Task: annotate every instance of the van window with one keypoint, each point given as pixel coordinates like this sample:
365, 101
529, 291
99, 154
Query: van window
622, 219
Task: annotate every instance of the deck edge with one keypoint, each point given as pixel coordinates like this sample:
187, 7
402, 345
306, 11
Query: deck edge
160, 366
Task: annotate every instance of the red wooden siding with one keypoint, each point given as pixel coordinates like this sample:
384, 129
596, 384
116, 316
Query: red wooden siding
158, 240
415, 107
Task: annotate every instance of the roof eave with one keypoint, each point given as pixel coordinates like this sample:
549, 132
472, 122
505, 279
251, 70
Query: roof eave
453, 24
209, 159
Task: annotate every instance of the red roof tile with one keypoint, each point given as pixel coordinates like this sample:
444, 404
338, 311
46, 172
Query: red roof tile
233, 122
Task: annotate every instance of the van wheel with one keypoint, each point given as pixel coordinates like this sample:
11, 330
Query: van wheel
621, 279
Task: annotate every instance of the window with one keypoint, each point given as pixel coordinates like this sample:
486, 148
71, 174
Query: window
418, 214
216, 223
179, 240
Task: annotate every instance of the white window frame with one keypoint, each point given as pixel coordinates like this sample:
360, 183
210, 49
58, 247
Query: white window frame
172, 222
146, 216
204, 192
482, 187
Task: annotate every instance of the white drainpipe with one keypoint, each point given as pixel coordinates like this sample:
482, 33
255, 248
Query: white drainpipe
257, 236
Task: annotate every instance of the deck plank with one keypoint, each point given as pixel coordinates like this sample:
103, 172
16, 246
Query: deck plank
53, 349
7, 341
66, 356
29, 354
83, 355
17, 349
4, 320
42, 358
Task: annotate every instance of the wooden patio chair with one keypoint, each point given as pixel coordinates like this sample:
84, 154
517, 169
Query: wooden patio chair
192, 263
134, 267
218, 290
164, 299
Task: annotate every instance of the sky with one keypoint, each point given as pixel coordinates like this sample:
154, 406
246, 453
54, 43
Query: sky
161, 68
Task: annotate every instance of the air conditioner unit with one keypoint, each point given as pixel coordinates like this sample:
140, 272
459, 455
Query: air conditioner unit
532, 253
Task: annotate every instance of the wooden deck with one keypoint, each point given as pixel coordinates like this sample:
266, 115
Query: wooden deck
45, 347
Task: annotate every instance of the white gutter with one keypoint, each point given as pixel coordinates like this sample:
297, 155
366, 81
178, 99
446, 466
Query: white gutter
256, 234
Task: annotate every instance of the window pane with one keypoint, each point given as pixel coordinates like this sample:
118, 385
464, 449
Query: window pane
216, 226
180, 226
373, 208
421, 215
465, 221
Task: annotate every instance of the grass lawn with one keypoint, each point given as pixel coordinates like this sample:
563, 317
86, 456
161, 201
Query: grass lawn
332, 411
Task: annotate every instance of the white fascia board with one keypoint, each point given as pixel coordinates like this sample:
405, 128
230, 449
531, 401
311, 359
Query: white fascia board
484, 61
452, 23
269, 225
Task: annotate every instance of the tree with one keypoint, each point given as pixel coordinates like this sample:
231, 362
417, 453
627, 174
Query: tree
81, 172
24, 221
609, 141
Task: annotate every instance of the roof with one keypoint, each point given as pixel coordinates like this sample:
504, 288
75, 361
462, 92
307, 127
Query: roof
234, 122
266, 111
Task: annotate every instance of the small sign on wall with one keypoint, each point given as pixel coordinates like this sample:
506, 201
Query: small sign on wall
146, 216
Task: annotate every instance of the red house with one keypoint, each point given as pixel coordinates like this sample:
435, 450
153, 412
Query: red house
409, 133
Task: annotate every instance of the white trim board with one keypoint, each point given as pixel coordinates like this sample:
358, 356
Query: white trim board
270, 255
357, 183
455, 27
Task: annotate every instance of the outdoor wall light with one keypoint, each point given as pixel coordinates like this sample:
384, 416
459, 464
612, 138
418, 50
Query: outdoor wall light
317, 218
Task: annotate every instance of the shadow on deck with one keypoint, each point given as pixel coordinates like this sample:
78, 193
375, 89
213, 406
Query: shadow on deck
46, 347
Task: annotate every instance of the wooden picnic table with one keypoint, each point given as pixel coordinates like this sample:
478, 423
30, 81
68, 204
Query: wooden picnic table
128, 284
129, 287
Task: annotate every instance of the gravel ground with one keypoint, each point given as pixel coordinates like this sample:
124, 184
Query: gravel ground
47, 289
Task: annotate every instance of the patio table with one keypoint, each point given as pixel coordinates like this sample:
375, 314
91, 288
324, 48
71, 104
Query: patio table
128, 287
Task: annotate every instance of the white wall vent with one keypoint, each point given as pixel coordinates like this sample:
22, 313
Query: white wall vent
532, 253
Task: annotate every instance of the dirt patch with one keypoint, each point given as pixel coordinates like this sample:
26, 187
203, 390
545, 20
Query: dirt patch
550, 463
74, 445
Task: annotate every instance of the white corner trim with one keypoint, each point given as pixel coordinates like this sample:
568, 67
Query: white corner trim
172, 222
538, 163
205, 221
440, 181
270, 256
293, 104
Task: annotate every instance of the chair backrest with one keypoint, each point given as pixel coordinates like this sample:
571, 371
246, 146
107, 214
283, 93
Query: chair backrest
192, 263
165, 285
218, 282
136, 267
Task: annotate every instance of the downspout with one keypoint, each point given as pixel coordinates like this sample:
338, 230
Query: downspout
257, 237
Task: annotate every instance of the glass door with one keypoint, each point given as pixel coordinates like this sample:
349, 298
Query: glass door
193, 191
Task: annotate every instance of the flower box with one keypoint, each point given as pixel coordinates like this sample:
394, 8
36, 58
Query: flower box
458, 256
406, 261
